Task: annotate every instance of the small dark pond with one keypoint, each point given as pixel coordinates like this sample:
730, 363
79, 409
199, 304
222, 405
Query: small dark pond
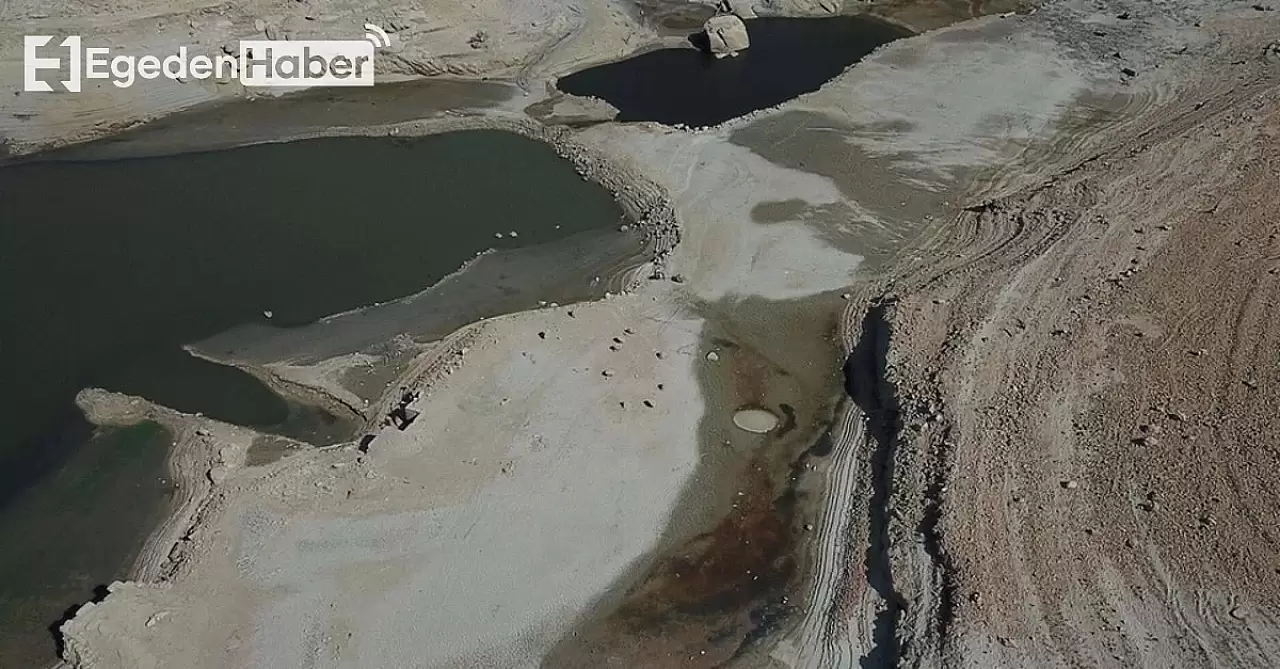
108, 268
787, 58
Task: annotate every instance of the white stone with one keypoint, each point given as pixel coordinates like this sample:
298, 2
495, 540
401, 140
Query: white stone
726, 35
759, 421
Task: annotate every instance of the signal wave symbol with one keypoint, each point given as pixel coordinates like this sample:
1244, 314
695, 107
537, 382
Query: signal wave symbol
377, 36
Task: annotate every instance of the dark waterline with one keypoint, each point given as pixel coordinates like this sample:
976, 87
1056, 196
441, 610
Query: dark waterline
787, 58
108, 268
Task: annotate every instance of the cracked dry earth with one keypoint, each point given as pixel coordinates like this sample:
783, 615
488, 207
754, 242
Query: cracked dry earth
1089, 449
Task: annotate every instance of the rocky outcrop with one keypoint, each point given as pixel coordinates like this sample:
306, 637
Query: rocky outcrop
726, 35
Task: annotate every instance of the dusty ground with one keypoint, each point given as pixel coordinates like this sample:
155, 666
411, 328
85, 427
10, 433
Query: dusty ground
991, 279
1089, 392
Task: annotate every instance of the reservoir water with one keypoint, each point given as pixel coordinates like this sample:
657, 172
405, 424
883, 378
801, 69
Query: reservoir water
787, 58
108, 268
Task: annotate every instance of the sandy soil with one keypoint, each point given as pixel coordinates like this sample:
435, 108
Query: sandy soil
1087, 395
989, 279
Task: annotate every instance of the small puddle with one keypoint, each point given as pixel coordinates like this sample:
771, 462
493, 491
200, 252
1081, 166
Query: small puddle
787, 58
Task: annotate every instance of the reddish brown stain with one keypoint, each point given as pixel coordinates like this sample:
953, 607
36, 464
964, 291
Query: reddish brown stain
706, 601
745, 558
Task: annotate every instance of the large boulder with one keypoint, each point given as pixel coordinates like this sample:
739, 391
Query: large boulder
726, 35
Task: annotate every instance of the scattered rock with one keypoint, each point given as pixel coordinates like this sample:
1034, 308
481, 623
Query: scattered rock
726, 35
478, 40
606, 373
156, 618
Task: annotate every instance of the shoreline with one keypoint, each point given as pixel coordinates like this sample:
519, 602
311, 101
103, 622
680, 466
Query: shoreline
196, 468
193, 463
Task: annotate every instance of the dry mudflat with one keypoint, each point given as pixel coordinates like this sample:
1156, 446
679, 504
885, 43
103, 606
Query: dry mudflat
1011, 286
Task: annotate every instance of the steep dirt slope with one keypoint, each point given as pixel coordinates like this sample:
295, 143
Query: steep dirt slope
1086, 401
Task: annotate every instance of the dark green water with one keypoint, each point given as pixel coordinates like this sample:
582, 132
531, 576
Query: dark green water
75, 531
108, 268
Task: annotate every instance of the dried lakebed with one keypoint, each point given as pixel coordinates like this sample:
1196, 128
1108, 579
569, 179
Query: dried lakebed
152, 255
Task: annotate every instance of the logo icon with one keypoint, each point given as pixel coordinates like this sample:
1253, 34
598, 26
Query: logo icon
33, 63
376, 36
